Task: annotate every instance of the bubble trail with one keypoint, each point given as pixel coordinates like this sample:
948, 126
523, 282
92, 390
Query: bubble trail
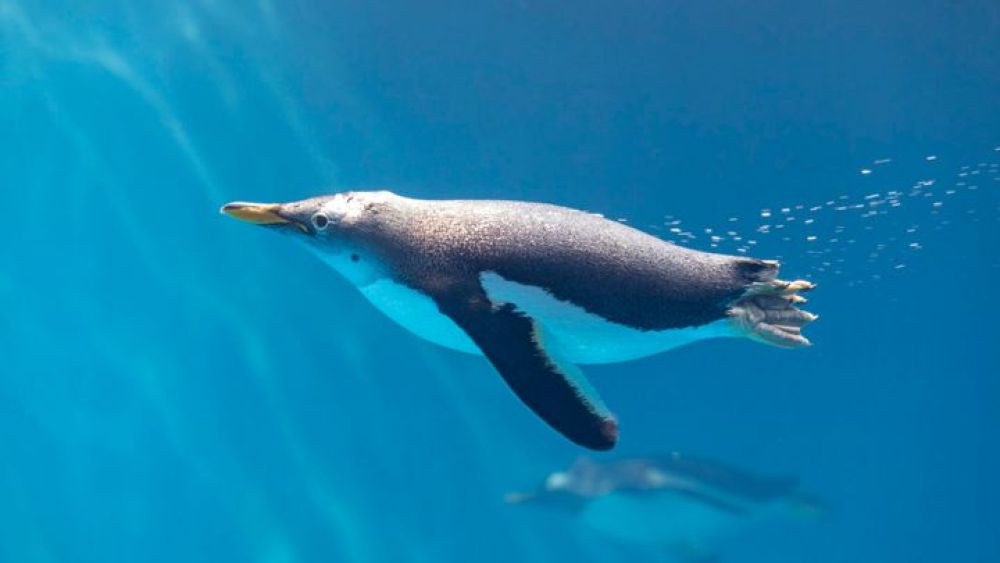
860, 237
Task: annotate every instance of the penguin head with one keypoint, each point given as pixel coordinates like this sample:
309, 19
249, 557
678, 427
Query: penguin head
329, 225
323, 217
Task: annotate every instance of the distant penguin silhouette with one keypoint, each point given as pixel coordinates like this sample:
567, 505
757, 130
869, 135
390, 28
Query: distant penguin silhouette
538, 288
678, 504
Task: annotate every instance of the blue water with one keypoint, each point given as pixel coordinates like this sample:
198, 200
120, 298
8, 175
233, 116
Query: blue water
176, 386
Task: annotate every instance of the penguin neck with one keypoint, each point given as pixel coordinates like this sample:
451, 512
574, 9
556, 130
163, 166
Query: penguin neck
359, 267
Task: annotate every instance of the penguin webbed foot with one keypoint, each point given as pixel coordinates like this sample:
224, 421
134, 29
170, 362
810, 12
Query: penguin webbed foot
766, 312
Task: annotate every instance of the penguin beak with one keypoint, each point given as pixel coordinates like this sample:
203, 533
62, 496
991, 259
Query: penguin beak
259, 214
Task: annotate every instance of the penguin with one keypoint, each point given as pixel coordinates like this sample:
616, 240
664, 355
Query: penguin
683, 506
538, 289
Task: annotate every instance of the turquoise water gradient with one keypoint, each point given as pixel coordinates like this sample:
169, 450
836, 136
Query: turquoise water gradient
176, 386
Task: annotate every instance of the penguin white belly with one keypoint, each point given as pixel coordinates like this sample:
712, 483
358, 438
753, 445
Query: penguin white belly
585, 338
578, 336
660, 519
418, 314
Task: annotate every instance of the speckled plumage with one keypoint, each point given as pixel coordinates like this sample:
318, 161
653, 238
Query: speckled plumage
537, 288
609, 269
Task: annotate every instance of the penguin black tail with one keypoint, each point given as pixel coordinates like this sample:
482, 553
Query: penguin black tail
754, 271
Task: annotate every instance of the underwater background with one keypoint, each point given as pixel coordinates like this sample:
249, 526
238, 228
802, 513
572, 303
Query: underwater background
176, 386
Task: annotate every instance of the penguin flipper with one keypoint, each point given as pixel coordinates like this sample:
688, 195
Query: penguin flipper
514, 343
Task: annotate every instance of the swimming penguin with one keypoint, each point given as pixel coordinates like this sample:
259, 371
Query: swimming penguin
678, 504
538, 288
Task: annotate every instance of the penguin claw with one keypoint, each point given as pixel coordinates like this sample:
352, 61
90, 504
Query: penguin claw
801, 285
791, 287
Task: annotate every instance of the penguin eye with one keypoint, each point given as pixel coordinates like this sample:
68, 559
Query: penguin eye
320, 221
